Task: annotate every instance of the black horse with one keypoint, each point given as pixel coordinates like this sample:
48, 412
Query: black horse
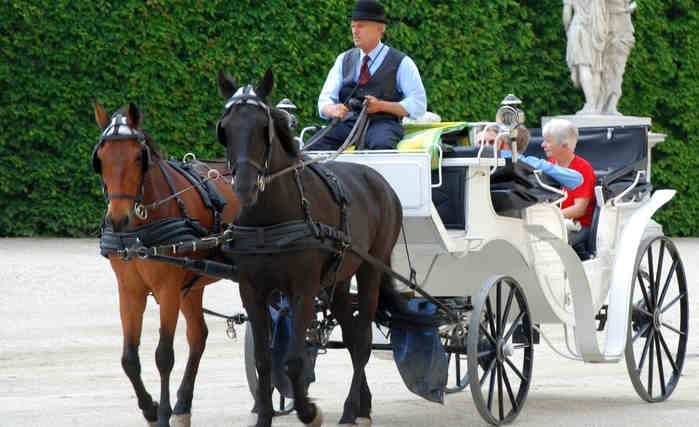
296, 224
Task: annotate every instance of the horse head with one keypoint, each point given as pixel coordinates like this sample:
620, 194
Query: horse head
122, 156
253, 133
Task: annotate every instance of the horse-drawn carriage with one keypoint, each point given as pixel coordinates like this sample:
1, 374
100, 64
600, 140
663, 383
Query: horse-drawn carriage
483, 246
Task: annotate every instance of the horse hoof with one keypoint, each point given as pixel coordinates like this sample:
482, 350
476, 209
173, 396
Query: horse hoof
252, 421
181, 420
318, 420
151, 423
363, 422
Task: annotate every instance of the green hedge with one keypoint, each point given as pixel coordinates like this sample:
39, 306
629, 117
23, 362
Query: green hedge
59, 55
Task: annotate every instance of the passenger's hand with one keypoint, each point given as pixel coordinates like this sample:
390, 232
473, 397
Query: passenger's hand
336, 111
374, 106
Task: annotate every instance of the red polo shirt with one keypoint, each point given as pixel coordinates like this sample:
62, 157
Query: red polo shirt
586, 190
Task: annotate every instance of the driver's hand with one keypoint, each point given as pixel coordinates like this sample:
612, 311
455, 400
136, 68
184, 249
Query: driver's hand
374, 105
337, 111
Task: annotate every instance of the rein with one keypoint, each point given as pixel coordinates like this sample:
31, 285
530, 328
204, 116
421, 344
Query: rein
119, 129
264, 178
211, 175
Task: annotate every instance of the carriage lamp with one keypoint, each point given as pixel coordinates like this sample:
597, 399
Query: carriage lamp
288, 107
511, 116
509, 113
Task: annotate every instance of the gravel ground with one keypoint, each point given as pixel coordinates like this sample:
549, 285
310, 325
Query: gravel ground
60, 346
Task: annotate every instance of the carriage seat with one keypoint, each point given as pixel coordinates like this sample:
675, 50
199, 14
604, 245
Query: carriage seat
513, 187
615, 153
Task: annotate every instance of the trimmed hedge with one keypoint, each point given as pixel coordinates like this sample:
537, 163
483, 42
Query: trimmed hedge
59, 55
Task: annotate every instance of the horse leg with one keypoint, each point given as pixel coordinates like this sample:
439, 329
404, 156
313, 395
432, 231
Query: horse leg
131, 306
304, 311
191, 307
256, 306
343, 311
164, 353
359, 396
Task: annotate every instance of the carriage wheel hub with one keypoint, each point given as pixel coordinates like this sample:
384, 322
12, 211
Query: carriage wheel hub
657, 318
503, 351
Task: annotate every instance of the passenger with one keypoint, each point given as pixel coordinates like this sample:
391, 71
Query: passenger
560, 139
386, 77
568, 178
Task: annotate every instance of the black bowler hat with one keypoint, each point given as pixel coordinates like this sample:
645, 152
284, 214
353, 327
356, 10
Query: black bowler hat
368, 10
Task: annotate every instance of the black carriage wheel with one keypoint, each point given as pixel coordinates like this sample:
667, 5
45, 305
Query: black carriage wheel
284, 406
457, 369
500, 350
656, 342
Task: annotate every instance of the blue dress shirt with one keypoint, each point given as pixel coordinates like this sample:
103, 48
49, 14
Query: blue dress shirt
566, 177
408, 82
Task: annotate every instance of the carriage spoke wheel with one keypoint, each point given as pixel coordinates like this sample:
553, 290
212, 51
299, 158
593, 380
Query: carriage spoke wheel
456, 344
656, 341
500, 350
282, 405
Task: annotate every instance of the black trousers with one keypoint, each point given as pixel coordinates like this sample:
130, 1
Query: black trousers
382, 134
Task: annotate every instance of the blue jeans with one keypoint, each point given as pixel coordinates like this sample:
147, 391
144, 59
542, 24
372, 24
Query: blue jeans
382, 134
579, 241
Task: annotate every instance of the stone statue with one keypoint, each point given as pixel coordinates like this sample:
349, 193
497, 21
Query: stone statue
585, 22
600, 38
620, 40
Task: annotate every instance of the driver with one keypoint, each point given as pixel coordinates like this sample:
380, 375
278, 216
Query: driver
387, 78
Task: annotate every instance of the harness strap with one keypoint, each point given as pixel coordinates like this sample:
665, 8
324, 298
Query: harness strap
166, 230
180, 203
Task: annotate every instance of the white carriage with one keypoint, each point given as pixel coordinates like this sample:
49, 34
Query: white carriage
629, 300
494, 254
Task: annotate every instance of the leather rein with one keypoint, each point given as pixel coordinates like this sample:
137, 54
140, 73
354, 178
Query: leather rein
264, 177
120, 130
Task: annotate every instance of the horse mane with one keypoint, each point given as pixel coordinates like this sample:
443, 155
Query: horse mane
154, 148
284, 133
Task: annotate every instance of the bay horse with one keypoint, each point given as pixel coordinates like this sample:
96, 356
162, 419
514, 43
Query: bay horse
135, 175
284, 202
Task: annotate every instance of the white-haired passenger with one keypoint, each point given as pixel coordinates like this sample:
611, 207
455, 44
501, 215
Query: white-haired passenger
560, 138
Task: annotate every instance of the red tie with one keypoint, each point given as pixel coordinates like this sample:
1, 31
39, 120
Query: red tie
364, 74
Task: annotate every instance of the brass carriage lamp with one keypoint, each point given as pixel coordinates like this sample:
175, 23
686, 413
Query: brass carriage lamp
511, 116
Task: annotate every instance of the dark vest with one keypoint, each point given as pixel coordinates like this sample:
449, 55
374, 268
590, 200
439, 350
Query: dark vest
382, 84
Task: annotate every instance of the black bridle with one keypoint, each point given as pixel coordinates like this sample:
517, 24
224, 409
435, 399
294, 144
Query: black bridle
247, 96
119, 129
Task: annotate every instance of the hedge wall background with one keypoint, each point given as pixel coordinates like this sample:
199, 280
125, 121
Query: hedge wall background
59, 55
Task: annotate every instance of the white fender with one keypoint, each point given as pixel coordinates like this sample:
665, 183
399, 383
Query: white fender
622, 274
620, 283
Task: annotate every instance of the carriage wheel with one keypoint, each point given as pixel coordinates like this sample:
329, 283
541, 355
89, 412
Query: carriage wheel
656, 342
285, 406
455, 344
500, 350
460, 377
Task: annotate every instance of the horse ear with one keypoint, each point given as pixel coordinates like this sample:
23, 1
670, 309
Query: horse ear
226, 84
100, 115
265, 88
134, 116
